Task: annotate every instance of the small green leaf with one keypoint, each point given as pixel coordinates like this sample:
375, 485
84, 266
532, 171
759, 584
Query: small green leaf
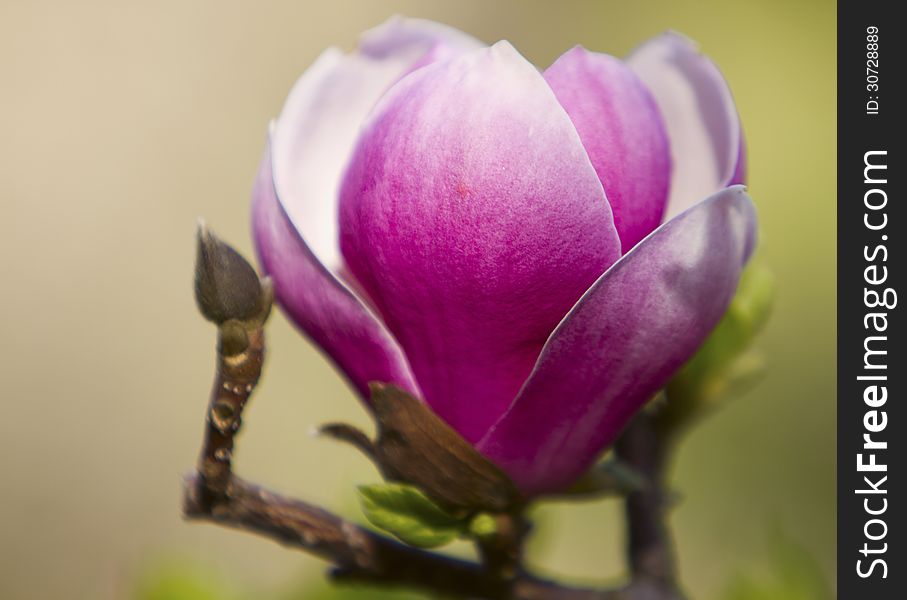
723, 365
405, 512
483, 525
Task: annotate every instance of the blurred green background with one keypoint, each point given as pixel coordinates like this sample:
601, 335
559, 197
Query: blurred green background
123, 121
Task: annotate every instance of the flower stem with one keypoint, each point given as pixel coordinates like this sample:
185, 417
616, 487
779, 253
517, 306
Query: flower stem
650, 550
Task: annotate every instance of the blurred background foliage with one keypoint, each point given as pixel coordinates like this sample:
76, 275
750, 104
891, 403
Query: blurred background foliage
792, 574
123, 121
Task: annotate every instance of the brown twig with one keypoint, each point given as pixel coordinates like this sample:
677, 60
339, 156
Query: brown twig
362, 556
236, 378
215, 494
502, 554
649, 547
358, 555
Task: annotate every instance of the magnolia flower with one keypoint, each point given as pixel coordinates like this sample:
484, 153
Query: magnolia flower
533, 254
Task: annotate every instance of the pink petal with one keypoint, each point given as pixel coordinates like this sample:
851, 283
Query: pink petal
326, 310
317, 128
295, 214
473, 218
699, 111
622, 341
622, 130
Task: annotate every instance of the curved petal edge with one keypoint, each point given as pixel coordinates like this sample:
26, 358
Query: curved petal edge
321, 117
322, 306
623, 132
700, 115
622, 341
473, 218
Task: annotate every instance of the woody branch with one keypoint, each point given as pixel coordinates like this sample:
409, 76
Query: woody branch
231, 295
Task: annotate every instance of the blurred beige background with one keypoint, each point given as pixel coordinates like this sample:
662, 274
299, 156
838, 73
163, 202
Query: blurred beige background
123, 121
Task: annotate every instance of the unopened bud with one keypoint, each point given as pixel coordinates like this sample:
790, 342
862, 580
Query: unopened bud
226, 285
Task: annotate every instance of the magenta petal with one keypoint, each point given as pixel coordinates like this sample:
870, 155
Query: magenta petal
622, 341
295, 214
700, 115
472, 217
321, 117
332, 316
622, 130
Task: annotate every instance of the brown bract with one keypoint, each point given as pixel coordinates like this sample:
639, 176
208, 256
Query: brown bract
415, 446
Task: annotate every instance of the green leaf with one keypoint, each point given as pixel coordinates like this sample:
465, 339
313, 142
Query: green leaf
408, 514
724, 365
